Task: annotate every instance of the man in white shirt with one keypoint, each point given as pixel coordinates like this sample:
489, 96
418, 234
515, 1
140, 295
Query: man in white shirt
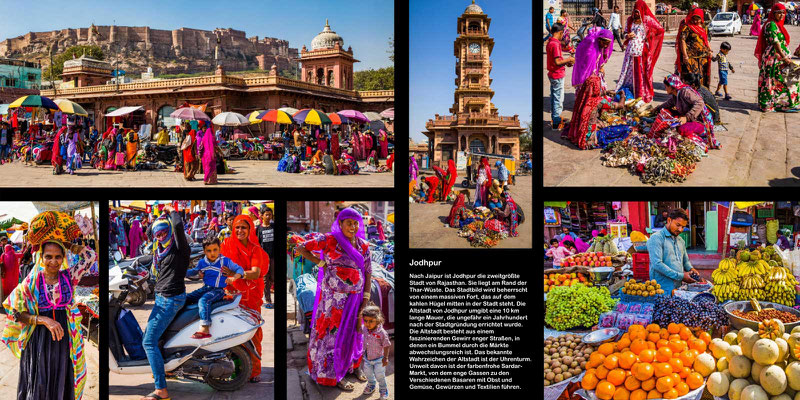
199, 227
616, 26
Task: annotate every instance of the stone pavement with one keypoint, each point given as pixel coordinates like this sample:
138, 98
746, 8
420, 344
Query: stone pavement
248, 174
299, 385
759, 149
427, 228
133, 387
9, 370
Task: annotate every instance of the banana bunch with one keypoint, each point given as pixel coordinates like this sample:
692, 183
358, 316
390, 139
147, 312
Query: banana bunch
752, 282
726, 292
779, 274
780, 292
723, 275
752, 268
745, 294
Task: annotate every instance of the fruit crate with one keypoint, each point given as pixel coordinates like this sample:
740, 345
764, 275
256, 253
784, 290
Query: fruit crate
641, 266
626, 298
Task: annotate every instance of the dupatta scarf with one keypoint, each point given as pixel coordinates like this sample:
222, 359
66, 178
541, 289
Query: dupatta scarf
762, 42
589, 56
652, 45
24, 299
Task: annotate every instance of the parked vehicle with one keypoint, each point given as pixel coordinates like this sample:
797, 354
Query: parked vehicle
167, 154
726, 23
222, 361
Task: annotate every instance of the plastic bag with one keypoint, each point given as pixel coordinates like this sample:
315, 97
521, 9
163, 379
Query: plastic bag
607, 319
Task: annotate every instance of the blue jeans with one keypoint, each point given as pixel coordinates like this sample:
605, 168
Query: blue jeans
163, 313
5, 150
205, 297
374, 369
556, 99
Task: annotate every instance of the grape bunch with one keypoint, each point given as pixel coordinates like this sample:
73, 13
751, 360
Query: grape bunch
705, 315
695, 276
576, 305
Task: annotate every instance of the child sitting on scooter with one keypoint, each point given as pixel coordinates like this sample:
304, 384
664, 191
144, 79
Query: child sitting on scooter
213, 282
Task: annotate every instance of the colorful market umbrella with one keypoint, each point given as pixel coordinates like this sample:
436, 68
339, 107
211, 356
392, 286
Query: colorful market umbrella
354, 115
289, 110
70, 107
336, 119
277, 116
253, 117
311, 116
189, 113
34, 101
373, 116
388, 113
230, 119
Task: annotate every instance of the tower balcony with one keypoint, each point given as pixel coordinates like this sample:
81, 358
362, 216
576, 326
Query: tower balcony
476, 58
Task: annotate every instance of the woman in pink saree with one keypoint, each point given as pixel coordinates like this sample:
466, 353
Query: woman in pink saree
644, 36
206, 147
135, 237
355, 143
755, 28
111, 162
10, 261
383, 139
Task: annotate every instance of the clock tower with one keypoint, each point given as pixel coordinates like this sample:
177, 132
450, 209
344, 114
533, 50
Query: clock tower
475, 125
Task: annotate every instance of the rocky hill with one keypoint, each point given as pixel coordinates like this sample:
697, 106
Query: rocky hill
183, 50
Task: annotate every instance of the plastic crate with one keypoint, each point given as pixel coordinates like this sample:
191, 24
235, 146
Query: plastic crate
641, 266
626, 298
765, 212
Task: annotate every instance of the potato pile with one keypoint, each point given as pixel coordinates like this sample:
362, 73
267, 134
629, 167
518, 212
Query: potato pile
565, 357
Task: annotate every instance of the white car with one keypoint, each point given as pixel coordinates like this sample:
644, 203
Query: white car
726, 23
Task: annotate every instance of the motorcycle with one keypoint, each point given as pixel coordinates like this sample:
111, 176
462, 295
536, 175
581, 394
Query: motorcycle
581, 33
167, 154
222, 361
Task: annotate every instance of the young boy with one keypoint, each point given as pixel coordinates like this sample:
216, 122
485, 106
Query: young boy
556, 71
722, 62
213, 282
376, 351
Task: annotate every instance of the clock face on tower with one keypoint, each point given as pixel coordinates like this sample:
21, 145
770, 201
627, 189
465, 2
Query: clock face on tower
474, 48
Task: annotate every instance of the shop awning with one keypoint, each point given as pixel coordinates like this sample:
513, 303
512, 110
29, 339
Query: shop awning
557, 204
123, 111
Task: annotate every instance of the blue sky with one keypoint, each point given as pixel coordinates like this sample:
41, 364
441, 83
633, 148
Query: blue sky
432, 64
366, 27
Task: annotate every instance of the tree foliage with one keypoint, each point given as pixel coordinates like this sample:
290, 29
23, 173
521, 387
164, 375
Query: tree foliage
57, 68
374, 79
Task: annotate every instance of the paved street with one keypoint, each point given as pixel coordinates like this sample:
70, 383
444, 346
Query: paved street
248, 174
9, 370
133, 387
427, 228
759, 149
299, 385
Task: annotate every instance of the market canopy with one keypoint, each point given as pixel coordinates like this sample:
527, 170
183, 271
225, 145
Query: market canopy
123, 111
388, 113
70, 107
557, 204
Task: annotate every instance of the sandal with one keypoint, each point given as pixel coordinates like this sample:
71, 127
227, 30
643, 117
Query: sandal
346, 386
369, 389
201, 335
154, 396
360, 376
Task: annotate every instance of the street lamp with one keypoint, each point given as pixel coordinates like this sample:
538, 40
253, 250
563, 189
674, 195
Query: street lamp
52, 46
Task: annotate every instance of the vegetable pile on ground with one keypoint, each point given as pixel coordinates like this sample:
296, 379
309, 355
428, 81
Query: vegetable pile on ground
650, 363
565, 357
576, 306
754, 275
669, 158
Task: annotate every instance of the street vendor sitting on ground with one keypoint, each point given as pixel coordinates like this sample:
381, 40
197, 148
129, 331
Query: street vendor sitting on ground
669, 261
687, 106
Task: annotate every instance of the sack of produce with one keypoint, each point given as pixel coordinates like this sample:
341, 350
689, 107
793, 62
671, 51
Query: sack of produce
772, 231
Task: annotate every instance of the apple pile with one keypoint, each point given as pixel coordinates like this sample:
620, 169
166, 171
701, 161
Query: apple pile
591, 259
553, 280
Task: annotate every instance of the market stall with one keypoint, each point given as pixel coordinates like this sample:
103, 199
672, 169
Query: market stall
611, 332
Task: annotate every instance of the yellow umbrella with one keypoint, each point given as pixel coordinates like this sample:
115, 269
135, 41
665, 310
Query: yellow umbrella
253, 117
138, 204
71, 107
390, 217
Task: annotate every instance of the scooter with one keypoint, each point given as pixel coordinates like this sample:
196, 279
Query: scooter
167, 154
581, 32
221, 361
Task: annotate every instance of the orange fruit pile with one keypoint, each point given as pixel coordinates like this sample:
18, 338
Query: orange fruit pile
646, 363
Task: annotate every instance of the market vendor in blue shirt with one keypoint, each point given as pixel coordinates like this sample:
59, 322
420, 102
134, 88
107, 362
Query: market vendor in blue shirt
669, 262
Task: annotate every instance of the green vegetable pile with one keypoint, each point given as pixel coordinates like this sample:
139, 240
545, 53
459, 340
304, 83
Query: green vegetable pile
577, 305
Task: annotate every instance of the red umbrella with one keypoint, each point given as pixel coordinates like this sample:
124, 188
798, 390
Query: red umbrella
335, 119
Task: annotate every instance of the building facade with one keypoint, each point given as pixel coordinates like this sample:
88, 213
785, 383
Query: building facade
474, 124
221, 92
20, 74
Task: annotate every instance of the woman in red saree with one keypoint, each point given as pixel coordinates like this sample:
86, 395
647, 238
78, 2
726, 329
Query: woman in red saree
335, 152
10, 263
433, 188
190, 162
644, 36
457, 212
55, 159
693, 50
243, 248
